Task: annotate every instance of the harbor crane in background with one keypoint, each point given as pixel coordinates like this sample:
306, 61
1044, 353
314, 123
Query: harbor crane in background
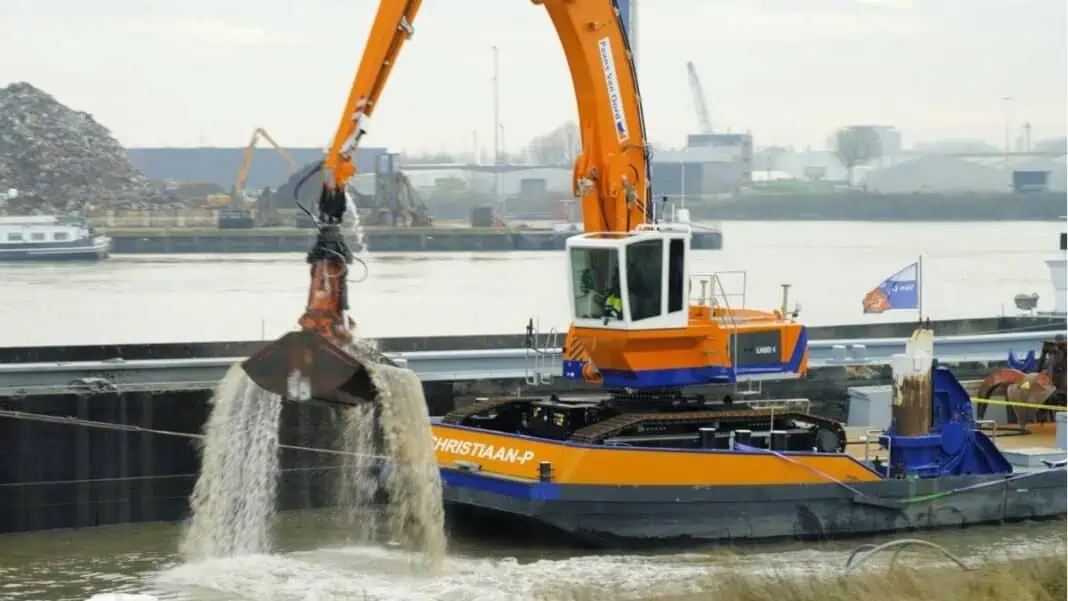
699, 104
234, 212
237, 192
246, 161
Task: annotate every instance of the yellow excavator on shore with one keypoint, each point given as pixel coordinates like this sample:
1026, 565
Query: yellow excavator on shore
234, 210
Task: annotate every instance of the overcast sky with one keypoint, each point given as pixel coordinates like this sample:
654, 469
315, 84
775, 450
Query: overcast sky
206, 72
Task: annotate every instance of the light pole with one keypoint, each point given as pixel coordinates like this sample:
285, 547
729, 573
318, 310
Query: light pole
496, 107
1006, 100
496, 126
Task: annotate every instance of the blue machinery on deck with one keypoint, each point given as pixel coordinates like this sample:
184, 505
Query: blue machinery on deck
954, 446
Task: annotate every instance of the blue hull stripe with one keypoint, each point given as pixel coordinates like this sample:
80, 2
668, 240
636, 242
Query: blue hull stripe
529, 491
688, 376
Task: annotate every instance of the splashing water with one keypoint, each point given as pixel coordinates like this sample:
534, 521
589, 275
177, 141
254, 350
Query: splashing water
416, 515
358, 481
234, 497
355, 225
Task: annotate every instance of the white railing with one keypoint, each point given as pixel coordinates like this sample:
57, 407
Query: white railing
712, 293
543, 357
710, 289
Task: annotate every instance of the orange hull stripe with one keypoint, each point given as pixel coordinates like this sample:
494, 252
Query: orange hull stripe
519, 457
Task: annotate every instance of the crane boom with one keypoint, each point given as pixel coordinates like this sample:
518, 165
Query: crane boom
250, 151
392, 27
611, 173
699, 103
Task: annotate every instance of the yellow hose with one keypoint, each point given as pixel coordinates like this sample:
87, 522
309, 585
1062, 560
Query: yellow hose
1024, 405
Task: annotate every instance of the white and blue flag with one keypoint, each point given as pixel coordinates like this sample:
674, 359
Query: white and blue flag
899, 291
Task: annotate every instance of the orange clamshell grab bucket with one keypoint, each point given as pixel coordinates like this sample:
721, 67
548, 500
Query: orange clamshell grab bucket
333, 374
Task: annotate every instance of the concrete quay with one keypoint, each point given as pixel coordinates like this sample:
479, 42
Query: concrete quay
376, 239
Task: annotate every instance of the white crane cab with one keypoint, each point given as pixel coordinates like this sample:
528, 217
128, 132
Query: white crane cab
630, 280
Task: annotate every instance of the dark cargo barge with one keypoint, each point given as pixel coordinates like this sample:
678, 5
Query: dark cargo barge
60, 474
614, 475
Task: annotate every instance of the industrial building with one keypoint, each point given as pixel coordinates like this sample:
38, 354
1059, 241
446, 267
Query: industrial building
710, 164
220, 165
805, 165
515, 180
939, 173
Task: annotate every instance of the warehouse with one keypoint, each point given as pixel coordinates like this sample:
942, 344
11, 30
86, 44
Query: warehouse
699, 171
936, 174
1041, 173
516, 180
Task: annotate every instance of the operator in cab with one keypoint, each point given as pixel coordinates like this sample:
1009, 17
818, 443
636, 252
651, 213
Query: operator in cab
613, 302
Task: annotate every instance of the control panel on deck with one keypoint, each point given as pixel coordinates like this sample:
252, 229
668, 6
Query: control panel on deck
557, 420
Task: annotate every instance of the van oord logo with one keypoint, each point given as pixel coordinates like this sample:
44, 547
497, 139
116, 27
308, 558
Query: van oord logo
481, 450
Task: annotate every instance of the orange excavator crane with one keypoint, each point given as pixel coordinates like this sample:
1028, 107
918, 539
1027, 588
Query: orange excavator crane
318, 361
633, 326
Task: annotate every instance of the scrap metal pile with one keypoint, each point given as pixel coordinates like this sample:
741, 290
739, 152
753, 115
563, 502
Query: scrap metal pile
1031, 382
60, 159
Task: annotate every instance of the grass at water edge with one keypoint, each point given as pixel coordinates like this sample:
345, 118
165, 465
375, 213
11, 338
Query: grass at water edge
1033, 579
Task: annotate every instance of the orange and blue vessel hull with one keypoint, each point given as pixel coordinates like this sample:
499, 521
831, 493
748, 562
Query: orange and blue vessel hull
622, 497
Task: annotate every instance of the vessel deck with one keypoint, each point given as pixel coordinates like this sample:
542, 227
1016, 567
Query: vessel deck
1008, 438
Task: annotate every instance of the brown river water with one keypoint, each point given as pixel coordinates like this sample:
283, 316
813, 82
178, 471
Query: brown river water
970, 270
316, 563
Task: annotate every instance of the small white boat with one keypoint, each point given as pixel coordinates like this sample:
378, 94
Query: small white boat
51, 238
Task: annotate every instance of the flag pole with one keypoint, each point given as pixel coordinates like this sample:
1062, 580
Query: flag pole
919, 287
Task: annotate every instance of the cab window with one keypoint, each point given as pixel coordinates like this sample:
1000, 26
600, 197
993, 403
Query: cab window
595, 277
645, 271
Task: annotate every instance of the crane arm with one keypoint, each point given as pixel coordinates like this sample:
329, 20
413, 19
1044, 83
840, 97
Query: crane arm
611, 174
250, 151
391, 28
294, 166
316, 360
246, 162
698, 94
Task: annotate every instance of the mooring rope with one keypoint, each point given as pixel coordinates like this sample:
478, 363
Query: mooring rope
1001, 480
75, 421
